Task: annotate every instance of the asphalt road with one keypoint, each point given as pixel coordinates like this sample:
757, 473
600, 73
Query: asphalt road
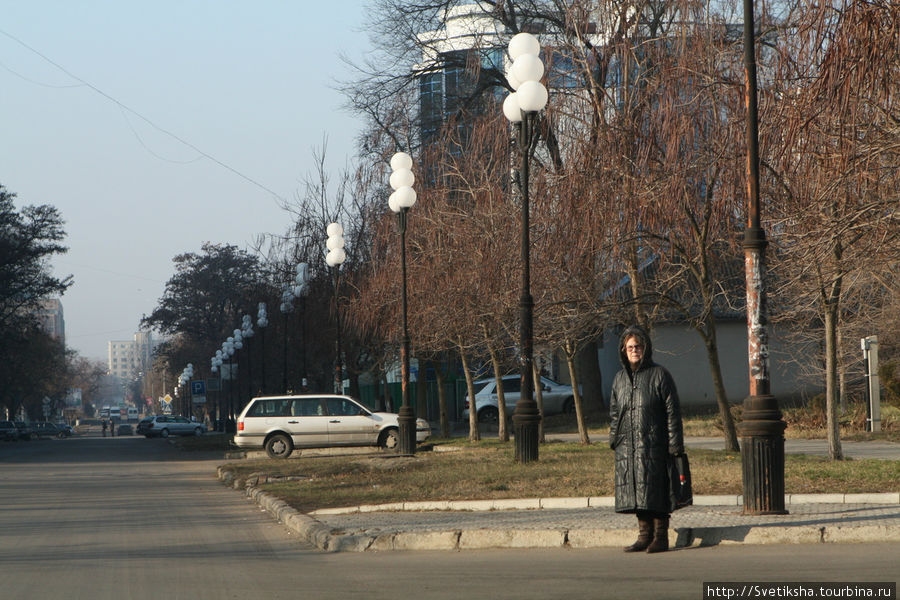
98, 518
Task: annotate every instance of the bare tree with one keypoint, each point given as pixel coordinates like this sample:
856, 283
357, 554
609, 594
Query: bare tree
837, 169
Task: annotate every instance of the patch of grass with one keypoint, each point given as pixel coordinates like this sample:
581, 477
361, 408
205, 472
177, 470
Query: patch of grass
487, 470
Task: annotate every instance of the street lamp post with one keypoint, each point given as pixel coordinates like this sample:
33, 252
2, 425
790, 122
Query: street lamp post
228, 353
261, 321
521, 108
286, 308
400, 201
215, 367
238, 341
762, 428
335, 258
300, 291
247, 332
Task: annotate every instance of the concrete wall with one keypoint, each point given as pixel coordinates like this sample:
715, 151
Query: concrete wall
681, 350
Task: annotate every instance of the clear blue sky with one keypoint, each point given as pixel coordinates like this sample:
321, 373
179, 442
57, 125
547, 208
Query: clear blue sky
249, 84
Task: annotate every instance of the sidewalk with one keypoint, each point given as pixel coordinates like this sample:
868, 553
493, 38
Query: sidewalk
593, 523
583, 523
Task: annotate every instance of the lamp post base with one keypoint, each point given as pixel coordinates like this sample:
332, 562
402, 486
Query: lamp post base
407, 421
762, 456
526, 421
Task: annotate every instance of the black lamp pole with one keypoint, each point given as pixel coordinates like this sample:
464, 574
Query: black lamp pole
338, 367
762, 427
284, 362
406, 418
526, 417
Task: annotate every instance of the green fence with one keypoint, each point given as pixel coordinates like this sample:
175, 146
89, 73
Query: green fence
454, 392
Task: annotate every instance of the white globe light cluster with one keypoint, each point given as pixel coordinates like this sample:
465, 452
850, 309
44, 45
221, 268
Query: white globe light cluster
186, 374
402, 180
297, 289
261, 318
335, 244
524, 76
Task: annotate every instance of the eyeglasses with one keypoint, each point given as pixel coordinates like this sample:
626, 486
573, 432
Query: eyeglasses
636, 348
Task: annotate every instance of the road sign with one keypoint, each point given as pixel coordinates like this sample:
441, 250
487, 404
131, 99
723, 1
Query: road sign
198, 387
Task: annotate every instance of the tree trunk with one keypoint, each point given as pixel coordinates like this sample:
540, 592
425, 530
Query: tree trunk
579, 412
842, 379
712, 355
502, 432
442, 400
539, 398
831, 400
474, 434
591, 378
380, 391
421, 393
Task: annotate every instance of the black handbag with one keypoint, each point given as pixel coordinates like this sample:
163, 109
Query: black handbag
680, 481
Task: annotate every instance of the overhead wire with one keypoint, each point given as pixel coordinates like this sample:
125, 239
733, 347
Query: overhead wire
127, 108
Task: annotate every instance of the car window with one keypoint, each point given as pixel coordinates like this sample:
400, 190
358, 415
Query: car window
181, 420
306, 407
482, 386
512, 385
272, 407
341, 407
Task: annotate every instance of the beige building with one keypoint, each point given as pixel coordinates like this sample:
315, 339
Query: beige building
127, 358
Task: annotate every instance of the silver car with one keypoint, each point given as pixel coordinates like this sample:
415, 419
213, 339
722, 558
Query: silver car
557, 397
166, 425
281, 423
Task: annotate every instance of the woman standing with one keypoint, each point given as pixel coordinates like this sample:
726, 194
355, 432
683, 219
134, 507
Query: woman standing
645, 429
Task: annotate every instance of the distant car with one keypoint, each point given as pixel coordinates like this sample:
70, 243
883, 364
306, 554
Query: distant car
25, 430
8, 431
166, 425
45, 429
125, 429
279, 424
557, 397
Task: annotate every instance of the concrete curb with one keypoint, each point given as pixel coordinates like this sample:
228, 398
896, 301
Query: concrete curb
328, 540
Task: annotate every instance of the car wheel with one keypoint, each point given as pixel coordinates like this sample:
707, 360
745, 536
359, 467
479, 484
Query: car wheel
198, 431
279, 446
389, 439
569, 406
164, 433
60, 435
488, 414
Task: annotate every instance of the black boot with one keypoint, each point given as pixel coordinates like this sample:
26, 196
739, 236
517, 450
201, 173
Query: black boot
645, 535
660, 541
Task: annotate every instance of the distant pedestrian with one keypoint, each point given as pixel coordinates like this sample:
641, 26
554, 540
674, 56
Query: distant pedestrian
645, 428
112, 428
103, 423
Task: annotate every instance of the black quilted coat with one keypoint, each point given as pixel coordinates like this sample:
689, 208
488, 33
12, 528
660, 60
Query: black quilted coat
645, 427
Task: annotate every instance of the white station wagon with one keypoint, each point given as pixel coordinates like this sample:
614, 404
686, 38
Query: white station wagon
281, 423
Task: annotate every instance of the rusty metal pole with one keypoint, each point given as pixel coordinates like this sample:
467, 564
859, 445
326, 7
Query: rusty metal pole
762, 427
526, 417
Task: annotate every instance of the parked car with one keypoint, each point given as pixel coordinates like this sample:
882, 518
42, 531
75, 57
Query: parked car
25, 430
8, 431
281, 423
166, 425
45, 429
557, 397
125, 429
